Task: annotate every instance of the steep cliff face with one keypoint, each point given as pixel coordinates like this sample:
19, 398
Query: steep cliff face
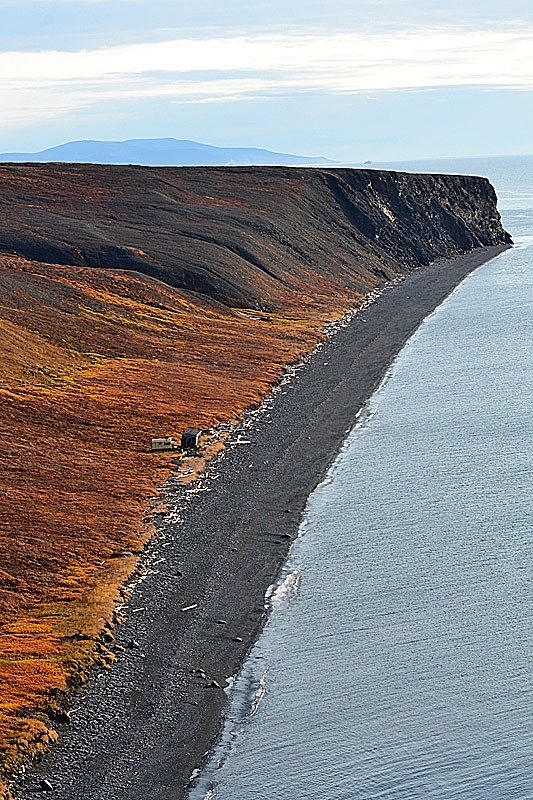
245, 236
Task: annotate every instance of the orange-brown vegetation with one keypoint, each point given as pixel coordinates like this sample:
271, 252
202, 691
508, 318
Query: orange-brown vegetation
95, 362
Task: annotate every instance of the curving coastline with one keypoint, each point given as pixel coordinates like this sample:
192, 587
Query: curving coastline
142, 727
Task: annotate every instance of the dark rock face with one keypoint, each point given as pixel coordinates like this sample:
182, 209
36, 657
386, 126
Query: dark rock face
245, 236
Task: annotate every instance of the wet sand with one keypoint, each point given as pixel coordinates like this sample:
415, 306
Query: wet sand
140, 729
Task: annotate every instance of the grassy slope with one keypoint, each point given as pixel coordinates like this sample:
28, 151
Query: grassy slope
94, 363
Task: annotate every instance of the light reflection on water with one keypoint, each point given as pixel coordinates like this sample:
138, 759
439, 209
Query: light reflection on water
402, 669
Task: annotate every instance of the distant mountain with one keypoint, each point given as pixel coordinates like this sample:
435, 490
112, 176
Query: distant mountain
160, 153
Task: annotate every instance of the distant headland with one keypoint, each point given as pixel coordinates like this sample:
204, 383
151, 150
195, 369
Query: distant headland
167, 152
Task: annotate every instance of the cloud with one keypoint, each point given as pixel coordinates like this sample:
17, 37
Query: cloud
48, 83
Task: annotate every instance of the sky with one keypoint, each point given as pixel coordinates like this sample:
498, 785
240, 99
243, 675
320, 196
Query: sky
352, 80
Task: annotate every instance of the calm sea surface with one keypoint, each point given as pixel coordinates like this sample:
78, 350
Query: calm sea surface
397, 663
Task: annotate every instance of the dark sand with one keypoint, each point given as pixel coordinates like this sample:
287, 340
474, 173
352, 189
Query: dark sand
140, 729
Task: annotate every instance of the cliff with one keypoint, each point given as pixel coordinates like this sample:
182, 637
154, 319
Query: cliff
245, 237
139, 301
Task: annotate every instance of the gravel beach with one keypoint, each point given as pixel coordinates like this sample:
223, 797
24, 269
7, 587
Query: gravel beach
139, 729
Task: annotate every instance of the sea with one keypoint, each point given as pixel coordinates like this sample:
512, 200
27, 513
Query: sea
397, 660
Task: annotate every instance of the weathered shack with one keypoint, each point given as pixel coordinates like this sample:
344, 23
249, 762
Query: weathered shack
190, 439
164, 443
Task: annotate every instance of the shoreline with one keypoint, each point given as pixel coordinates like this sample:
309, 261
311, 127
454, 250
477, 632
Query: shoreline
197, 603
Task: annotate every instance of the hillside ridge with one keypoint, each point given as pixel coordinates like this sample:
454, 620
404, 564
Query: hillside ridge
245, 236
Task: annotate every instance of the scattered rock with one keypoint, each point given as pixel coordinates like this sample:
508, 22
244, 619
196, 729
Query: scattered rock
238, 639
213, 685
222, 622
46, 786
132, 644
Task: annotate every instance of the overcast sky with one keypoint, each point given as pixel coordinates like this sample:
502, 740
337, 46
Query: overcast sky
348, 79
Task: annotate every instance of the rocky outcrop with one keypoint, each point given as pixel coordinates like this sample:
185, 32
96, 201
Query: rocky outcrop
245, 236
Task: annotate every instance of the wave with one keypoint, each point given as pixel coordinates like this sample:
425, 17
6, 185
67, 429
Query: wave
279, 595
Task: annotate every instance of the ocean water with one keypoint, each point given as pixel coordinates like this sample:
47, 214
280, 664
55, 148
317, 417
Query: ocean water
397, 662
